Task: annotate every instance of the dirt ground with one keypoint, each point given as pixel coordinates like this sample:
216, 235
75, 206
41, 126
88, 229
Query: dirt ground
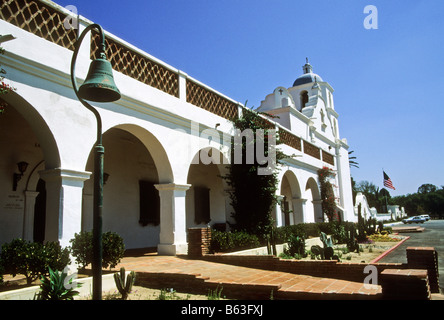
368, 252
144, 293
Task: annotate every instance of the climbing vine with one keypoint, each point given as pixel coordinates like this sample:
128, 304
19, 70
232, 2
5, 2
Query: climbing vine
329, 207
253, 195
4, 87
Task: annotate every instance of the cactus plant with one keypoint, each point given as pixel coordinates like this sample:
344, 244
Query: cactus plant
124, 288
352, 241
328, 246
296, 246
317, 251
327, 252
326, 241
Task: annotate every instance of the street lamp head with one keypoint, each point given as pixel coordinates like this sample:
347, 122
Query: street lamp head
99, 85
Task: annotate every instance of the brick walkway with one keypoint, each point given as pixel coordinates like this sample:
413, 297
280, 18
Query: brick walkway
197, 276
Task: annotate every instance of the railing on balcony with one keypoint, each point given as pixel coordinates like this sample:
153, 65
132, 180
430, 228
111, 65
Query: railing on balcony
290, 139
312, 150
328, 158
211, 101
40, 19
138, 67
47, 21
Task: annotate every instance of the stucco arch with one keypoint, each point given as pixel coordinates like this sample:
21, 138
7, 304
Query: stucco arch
293, 183
25, 136
205, 175
39, 127
290, 191
34, 176
135, 162
314, 203
312, 186
157, 151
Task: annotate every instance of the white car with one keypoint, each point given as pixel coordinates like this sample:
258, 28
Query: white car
415, 219
425, 216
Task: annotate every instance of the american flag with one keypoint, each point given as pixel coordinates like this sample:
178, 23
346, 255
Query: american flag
388, 182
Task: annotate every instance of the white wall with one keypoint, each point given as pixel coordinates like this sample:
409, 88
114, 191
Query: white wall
157, 139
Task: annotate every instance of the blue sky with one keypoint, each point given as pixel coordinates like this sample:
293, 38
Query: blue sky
388, 81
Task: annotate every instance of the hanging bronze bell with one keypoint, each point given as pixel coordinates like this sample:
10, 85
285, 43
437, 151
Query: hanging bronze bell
99, 84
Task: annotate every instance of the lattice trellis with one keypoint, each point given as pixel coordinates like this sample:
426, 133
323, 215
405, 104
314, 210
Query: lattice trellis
138, 67
39, 19
312, 150
211, 101
290, 139
327, 157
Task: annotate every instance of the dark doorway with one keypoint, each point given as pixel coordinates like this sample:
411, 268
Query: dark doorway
40, 212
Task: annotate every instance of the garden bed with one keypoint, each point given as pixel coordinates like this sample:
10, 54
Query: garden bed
368, 251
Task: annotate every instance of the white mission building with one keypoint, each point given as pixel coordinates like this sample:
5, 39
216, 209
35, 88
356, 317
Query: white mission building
155, 189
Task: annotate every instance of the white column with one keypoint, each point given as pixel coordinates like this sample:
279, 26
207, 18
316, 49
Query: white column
63, 203
278, 214
87, 211
182, 85
291, 214
318, 213
173, 233
299, 211
28, 221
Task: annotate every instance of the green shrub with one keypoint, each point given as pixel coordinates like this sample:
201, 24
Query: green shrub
286, 255
339, 231
222, 241
284, 233
113, 249
82, 249
56, 257
312, 229
32, 259
389, 230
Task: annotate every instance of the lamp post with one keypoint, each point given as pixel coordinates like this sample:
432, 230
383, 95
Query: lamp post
98, 86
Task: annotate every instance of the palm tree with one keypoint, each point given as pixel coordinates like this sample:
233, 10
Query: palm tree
352, 161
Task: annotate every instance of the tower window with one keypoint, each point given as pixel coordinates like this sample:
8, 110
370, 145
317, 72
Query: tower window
304, 99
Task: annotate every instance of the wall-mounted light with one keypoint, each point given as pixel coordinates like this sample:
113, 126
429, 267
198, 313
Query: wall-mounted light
22, 166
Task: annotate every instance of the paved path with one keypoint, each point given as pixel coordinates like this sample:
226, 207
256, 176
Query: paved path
240, 282
431, 235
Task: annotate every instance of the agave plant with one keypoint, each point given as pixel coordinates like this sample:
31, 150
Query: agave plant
57, 287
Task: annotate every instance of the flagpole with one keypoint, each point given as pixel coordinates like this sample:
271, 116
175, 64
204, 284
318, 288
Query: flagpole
385, 194
387, 182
